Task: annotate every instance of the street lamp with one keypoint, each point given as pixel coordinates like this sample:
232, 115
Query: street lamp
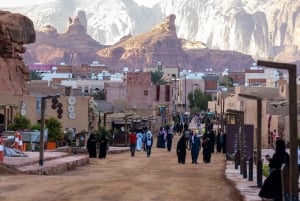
43, 108
175, 93
292, 70
258, 137
185, 74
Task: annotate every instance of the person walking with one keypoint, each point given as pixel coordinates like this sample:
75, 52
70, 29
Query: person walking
220, 141
212, 137
102, 147
206, 145
272, 186
169, 139
139, 141
160, 138
91, 146
181, 149
148, 141
195, 146
132, 143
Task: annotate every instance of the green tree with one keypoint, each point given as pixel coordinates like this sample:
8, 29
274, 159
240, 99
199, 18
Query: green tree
103, 131
20, 123
54, 127
226, 81
35, 75
99, 95
157, 78
198, 100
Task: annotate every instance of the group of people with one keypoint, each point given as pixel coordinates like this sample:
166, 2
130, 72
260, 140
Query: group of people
139, 140
92, 146
193, 143
165, 138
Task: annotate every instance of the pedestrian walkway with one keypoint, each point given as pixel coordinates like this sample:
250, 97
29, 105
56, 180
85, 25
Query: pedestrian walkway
53, 162
247, 188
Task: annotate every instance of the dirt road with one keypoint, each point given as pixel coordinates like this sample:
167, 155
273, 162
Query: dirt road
121, 177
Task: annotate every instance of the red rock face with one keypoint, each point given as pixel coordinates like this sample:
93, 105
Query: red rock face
75, 47
15, 30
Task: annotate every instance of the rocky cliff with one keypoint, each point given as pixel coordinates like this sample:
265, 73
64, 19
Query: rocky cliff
260, 28
74, 46
15, 31
161, 43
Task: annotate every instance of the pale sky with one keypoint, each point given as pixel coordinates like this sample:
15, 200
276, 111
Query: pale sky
14, 3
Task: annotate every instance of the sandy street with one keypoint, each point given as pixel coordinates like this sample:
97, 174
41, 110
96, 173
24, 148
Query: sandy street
121, 177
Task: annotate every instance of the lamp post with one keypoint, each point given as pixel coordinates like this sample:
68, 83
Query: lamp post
258, 137
43, 108
175, 93
293, 130
185, 91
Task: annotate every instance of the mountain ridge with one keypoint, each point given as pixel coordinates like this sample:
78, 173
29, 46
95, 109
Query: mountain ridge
258, 28
76, 47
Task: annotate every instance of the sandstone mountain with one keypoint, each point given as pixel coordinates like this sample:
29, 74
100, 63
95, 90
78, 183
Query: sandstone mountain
74, 46
15, 30
161, 43
260, 28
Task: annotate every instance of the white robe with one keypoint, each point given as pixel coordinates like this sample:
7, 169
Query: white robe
139, 141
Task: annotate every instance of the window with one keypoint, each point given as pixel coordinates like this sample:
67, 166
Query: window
38, 106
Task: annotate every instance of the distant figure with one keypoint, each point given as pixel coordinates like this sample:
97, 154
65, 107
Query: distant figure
220, 141
206, 145
181, 149
212, 137
132, 143
169, 139
195, 146
139, 141
271, 187
91, 146
103, 147
160, 138
148, 141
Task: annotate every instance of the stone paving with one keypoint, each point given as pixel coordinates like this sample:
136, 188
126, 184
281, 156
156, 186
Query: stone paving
247, 188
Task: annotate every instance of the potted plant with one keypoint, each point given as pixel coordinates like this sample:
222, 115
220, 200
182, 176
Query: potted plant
55, 132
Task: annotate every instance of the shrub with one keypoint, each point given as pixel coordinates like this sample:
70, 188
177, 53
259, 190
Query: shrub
20, 123
103, 131
54, 129
266, 170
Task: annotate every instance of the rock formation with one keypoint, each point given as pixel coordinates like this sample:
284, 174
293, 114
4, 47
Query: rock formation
162, 44
75, 47
15, 31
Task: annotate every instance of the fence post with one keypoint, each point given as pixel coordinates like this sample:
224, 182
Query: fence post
250, 169
236, 160
244, 167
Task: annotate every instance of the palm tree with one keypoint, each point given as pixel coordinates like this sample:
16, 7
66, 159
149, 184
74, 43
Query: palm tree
157, 78
35, 75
